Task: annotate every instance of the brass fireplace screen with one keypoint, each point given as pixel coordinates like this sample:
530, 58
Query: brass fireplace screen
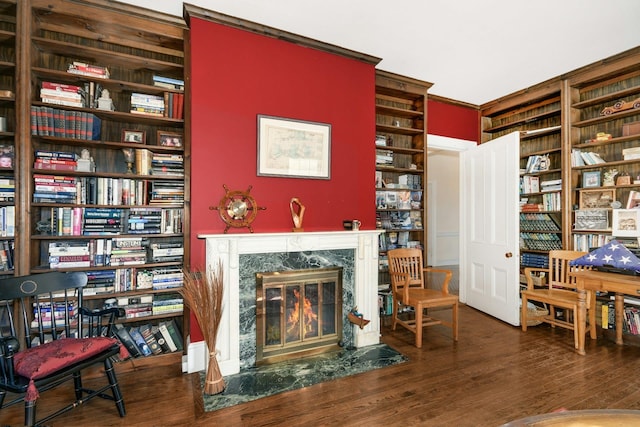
298, 312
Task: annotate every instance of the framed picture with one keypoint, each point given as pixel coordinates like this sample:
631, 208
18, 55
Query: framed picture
597, 199
293, 148
633, 201
592, 219
591, 179
626, 223
169, 139
136, 136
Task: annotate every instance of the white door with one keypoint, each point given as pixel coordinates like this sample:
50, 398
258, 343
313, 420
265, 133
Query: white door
489, 235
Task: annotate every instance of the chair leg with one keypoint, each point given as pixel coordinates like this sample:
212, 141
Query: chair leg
394, 315
419, 312
523, 313
115, 387
30, 413
77, 384
454, 321
592, 318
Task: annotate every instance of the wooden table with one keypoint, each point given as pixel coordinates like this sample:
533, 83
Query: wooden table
592, 281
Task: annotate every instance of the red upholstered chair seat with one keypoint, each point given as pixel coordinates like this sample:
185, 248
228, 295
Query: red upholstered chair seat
50, 358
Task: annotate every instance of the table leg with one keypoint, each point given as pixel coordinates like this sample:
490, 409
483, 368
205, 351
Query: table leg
619, 317
582, 318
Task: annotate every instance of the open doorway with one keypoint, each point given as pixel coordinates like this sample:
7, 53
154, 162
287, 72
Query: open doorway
443, 203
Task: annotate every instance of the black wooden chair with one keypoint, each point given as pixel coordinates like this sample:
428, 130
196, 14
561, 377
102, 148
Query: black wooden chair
47, 338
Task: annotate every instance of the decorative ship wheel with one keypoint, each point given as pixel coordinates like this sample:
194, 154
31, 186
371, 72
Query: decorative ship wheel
237, 208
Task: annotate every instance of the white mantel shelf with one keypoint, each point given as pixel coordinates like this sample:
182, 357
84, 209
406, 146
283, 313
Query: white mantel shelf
227, 248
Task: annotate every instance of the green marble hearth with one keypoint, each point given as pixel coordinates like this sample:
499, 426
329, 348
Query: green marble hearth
262, 381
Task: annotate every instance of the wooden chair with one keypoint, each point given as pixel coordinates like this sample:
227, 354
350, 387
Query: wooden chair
558, 293
408, 286
39, 351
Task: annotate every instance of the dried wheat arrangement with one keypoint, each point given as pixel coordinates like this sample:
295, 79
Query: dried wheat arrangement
202, 292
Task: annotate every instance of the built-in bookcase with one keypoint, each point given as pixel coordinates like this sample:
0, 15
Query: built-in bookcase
401, 174
536, 114
105, 163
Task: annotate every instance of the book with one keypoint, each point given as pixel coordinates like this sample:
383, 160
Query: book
162, 327
126, 339
162, 342
140, 342
149, 337
175, 334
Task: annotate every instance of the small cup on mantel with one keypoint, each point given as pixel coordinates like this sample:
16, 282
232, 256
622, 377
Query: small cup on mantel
356, 225
347, 224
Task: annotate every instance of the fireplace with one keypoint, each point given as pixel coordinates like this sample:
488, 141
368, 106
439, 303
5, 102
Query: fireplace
298, 312
244, 254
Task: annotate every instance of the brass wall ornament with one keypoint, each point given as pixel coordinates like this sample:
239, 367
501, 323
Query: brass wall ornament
237, 208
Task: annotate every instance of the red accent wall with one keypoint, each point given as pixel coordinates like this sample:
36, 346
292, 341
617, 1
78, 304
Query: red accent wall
237, 75
454, 121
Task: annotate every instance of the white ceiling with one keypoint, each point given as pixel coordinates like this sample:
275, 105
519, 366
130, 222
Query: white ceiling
471, 50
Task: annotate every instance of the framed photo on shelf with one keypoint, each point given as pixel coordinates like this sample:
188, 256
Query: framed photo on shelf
591, 179
135, 136
169, 139
293, 148
626, 223
597, 199
592, 219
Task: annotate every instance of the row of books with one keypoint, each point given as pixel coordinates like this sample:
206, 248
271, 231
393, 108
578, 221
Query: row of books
538, 222
403, 199
112, 191
7, 255
584, 158
48, 312
631, 313
586, 242
551, 202
133, 279
7, 221
91, 221
7, 189
396, 239
540, 241
529, 184
528, 259
49, 121
148, 339
174, 105
398, 220
151, 305
115, 252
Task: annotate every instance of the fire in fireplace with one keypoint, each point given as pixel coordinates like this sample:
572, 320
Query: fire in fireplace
298, 312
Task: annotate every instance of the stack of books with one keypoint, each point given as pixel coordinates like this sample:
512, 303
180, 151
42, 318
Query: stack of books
164, 304
167, 278
167, 192
54, 189
151, 105
61, 94
100, 282
168, 82
69, 254
144, 221
7, 189
384, 157
128, 251
103, 221
164, 164
55, 160
172, 251
89, 70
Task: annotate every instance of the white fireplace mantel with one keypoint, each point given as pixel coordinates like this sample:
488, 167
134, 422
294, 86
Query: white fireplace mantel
227, 248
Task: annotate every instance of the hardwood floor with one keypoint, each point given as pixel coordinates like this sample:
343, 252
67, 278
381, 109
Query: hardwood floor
494, 374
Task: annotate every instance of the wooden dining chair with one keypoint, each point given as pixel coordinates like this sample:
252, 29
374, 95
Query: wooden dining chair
407, 273
558, 294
